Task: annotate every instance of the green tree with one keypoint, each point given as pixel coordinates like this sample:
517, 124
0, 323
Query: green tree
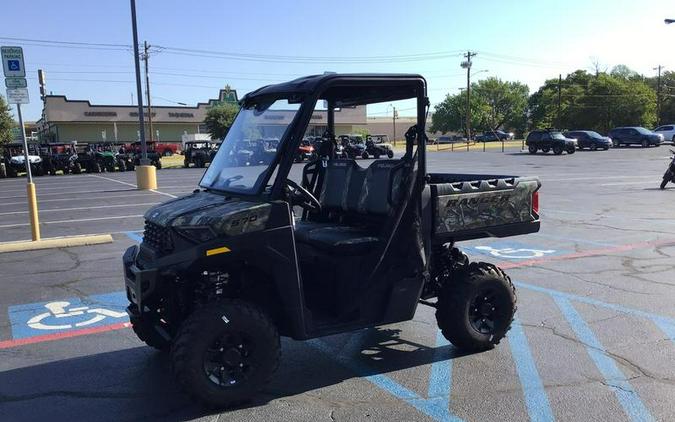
494, 104
667, 95
450, 114
506, 102
6, 122
599, 103
219, 119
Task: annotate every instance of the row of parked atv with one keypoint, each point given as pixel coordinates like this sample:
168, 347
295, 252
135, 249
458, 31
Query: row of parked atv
354, 146
74, 158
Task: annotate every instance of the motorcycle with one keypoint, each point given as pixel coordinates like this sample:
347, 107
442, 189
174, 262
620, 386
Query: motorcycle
669, 175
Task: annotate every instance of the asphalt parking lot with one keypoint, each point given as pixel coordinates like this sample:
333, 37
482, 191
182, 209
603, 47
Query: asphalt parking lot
594, 337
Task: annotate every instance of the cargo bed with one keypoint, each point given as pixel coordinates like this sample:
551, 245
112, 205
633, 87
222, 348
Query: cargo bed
471, 206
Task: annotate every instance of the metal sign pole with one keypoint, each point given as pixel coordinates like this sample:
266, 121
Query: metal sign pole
139, 92
29, 174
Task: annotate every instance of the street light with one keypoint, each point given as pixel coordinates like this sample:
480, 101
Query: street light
480, 71
394, 116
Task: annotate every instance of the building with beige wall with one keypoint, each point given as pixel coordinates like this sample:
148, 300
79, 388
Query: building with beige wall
66, 120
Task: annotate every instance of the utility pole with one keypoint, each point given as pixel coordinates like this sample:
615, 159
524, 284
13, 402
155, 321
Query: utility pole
467, 65
147, 87
658, 95
393, 122
559, 99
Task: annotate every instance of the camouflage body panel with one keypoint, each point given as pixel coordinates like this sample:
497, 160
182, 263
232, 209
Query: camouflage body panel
227, 216
467, 207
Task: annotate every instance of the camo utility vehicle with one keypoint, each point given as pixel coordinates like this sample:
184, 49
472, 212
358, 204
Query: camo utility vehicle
222, 273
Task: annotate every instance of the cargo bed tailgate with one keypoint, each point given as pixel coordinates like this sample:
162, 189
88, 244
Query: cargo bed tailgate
476, 206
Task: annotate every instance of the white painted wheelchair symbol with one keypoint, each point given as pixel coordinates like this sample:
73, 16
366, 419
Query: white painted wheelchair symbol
515, 253
58, 311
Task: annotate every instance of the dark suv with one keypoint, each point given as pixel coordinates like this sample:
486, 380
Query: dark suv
635, 135
589, 139
547, 140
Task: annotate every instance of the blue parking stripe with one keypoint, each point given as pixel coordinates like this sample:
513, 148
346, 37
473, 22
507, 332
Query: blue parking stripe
135, 236
536, 400
440, 380
584, 299
668, 329
430, 407
614, 378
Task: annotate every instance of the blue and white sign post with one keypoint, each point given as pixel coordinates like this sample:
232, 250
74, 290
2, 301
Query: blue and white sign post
17, 93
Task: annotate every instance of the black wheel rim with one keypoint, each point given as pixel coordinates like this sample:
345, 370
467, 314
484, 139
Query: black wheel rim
228, 361
483, 312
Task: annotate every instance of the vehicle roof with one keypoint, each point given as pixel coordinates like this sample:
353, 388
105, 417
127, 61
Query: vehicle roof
313, 83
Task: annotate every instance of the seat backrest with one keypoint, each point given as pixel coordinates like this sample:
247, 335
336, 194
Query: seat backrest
335, 183
379, 191
351, 189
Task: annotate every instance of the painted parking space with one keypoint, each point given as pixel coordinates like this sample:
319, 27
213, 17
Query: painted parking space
67, 315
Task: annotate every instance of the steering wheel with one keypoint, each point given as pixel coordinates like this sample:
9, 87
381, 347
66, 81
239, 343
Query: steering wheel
303, 197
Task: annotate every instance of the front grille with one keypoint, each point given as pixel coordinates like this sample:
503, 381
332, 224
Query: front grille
157, 237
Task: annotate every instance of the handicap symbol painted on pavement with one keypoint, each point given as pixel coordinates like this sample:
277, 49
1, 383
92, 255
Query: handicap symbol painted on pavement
512, 250
36, 319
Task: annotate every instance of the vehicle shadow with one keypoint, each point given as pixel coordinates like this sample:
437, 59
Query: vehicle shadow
137, 384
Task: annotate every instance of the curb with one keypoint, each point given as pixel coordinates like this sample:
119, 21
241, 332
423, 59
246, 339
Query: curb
55, 242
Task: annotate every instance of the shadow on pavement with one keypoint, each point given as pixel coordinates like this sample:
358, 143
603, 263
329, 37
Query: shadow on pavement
137, 384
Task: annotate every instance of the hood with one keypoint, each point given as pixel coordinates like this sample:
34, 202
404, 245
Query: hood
224, 215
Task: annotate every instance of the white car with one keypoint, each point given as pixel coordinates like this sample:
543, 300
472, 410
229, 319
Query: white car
668, 132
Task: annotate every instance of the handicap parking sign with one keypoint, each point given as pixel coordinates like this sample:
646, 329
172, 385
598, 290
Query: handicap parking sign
515, 251
57, 316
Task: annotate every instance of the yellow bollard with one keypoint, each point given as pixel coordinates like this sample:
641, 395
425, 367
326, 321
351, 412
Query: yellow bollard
146, 177
33, 211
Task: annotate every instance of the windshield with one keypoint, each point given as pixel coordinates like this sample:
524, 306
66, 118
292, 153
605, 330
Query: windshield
594, 135
244, 159
557, 135
643, 130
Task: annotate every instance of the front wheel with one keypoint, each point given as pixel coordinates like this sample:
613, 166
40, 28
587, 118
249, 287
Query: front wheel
571, 150
476, 308
390, 154
532, 149
225, 352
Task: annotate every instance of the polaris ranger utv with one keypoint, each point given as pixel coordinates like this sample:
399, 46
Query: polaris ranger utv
222, 273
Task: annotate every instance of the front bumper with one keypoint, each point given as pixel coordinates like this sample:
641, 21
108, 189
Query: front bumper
139, 282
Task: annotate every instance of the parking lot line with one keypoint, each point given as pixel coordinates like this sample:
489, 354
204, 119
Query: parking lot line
73, 221
89, 198
431, 407
8, 344
113, 180
589, 253
135, 235
614, 377
536, 399
143, 204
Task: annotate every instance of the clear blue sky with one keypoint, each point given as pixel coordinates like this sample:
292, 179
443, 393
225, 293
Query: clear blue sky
522, 40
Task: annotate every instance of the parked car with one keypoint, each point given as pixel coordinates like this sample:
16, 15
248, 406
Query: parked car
549, 139
635, 135
497, 135
450, 139
589, 139
167, 149
668, 132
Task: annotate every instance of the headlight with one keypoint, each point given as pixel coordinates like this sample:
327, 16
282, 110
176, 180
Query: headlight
199, 234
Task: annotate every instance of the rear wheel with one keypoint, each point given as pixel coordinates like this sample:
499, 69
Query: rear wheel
158, 164
557, 149
225, 352
476, 308
390, 154
532, 149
